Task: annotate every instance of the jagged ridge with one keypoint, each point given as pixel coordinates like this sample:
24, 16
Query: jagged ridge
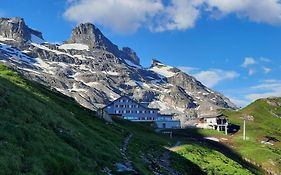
90, 68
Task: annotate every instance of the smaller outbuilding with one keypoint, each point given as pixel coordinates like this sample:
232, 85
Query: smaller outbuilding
218, 122
167, 121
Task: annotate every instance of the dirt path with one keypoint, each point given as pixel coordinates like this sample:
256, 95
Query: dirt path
127, 165
165, 160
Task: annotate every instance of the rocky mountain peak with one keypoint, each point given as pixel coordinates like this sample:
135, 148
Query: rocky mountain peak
156, 62
15, 28
89, 34
102, 72
131, 54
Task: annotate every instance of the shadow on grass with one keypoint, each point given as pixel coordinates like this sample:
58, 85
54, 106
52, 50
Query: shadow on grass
146, 150
196, 138
232, 129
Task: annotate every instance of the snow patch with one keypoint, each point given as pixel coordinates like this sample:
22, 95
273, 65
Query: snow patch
164, 71
74, 47
5, 39
50, 50
111, 73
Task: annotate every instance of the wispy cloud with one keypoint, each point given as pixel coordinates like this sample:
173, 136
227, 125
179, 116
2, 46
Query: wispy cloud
239, 102
266, 60
251, 72
210, 77
255, 64
267, 88
130, 15
267, 70
214, 76
188, 69
248, 61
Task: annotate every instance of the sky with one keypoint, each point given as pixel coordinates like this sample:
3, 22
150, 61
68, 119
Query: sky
232, 46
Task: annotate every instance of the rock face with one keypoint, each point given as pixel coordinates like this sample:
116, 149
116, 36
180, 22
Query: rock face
90, 35
16, 28
92, 70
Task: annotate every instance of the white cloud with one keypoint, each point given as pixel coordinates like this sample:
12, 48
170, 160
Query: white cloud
266, 60
179, 15
187, 69
239, 102
266, 70
119, 15
265, 11
159, 15
248, 61
268, 88
212, 77
129, 15
251, 72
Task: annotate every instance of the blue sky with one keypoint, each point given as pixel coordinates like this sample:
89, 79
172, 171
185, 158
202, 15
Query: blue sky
231, 46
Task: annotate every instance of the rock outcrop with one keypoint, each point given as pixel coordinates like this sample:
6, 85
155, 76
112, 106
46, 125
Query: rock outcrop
15, 28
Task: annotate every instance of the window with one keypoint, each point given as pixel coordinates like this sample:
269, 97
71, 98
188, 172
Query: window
116, 112
116, 106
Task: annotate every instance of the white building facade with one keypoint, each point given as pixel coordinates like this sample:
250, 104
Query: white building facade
131, 110
219, 123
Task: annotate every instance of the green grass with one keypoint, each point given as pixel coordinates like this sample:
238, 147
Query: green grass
42, 132
211, 161
45, 132
264, 124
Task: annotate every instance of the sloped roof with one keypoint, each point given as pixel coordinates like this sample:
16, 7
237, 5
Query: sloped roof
132, 101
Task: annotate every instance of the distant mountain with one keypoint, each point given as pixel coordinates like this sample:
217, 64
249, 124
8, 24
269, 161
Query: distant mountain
94, 71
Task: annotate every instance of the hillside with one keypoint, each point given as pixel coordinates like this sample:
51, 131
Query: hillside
44, 132
263, 132
263, 138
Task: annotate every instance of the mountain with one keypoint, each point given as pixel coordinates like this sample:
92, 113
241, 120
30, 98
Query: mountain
94, 71
46, 132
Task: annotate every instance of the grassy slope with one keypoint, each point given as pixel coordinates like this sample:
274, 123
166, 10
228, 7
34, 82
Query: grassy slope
211, 161
43, 132
264, 124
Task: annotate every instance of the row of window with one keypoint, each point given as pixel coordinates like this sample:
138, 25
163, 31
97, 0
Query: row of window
126, 106
133, 112
121, 100
139, 118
